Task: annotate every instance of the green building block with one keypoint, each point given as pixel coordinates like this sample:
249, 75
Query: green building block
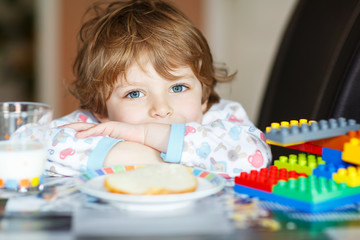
301, 163
314, 189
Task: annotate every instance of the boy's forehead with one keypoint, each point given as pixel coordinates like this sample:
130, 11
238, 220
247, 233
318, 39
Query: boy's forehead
148, 67
135, 71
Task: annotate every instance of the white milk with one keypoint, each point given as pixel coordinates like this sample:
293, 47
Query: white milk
21, 160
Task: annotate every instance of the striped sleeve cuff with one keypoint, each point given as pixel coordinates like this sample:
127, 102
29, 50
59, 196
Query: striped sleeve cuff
98, 155
175, 144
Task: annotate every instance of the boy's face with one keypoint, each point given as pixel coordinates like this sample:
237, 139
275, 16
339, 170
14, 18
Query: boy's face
146, 97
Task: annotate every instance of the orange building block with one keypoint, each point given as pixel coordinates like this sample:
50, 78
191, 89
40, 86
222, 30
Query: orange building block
337, 143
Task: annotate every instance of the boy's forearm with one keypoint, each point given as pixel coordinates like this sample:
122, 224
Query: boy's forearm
132, 153
157, 136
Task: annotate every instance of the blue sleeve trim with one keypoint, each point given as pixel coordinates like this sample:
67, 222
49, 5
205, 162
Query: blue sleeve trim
98, 155
175, 144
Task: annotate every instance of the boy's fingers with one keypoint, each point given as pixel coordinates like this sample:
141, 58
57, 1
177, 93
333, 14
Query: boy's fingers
79, 126
85, 130
93, 131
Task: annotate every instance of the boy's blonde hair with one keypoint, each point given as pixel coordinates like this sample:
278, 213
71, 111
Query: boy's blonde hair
124, 31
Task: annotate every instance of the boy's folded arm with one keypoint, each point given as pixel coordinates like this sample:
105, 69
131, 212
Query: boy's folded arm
67, 152
131, 153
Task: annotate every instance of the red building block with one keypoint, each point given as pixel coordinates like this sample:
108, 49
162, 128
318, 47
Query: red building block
266, 178
308, 147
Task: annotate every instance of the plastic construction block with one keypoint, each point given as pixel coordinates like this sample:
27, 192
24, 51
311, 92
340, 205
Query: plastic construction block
297, 132
307, 147
301, 163
264, 179
313, 189
287, 145
351, 153
338, 142
350, 176
298, 204
327, 170
332, 156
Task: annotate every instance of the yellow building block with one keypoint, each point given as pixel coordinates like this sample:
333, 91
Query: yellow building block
351, 153
350, 176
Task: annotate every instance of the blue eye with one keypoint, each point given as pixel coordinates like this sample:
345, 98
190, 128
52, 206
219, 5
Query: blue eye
135, 94
178, 88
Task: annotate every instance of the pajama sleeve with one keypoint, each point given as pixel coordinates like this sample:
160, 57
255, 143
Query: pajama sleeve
226, 142
68, 155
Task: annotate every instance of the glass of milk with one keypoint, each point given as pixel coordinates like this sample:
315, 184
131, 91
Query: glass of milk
23, 135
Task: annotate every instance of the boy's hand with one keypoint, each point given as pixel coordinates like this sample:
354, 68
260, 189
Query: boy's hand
119, 130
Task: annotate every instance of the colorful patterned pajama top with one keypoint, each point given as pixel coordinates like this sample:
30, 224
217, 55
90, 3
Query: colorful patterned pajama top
226, 142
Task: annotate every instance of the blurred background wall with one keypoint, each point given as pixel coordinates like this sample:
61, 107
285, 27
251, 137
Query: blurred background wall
38, 42
17, 39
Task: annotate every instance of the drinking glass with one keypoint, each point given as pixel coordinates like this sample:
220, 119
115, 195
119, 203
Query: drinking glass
23, 135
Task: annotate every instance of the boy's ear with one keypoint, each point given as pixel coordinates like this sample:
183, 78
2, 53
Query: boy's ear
101, 119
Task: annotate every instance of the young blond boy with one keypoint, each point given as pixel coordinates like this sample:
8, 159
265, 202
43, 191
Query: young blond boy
145, 80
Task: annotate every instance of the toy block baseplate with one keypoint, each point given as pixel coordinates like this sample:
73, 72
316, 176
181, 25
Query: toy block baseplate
301, 163
297, 132
309, 194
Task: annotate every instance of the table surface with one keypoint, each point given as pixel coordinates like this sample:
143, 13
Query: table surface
63, 212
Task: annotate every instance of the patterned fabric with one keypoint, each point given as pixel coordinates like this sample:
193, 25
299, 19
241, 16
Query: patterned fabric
226, 142
68, 155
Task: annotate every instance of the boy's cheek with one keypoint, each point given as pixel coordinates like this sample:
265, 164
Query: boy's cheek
194, 116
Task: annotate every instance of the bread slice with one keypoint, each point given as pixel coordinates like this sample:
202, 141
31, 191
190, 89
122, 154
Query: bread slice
152, 180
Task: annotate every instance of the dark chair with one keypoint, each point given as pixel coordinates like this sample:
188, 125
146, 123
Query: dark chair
316, 73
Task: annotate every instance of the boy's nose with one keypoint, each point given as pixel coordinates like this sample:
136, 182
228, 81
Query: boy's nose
161, 109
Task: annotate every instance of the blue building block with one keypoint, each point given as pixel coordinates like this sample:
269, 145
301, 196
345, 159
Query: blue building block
332, 156
327, 170
297, 204
304, 132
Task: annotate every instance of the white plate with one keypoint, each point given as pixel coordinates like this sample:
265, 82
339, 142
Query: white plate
92, 183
